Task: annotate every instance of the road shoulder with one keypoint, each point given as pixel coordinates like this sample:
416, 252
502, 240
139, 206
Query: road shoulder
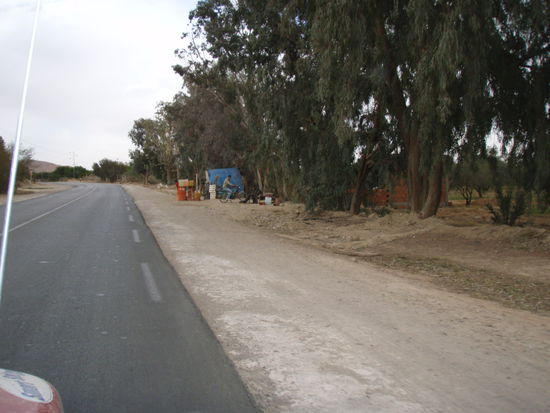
311, 331
35, 190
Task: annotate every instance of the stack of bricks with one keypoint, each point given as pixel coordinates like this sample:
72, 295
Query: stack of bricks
400, 195
379, 197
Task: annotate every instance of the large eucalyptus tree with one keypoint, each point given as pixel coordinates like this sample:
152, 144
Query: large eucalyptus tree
325, 83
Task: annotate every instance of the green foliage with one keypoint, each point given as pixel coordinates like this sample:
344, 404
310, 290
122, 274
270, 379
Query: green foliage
211, 131
268, 82
108, 170
63, 172
543, 201
521, 86
145, 158
382, 211
24, 163
155, 142
23, 166
130, 175
301, 90
511, 206
471, 175
77, 172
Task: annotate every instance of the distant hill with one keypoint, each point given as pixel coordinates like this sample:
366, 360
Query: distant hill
41, 166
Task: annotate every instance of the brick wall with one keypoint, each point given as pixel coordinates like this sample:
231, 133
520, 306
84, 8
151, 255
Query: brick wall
379, 197
398, 197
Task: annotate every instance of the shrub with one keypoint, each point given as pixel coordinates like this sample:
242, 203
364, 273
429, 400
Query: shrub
510, 207
382, 211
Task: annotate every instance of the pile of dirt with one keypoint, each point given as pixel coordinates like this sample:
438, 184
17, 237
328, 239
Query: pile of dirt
459, 250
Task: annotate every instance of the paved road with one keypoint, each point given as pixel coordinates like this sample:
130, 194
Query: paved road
91, 304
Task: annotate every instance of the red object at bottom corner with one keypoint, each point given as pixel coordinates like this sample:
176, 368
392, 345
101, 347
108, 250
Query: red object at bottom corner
24, 393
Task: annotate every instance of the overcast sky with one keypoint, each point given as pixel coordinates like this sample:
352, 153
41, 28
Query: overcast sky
98, 65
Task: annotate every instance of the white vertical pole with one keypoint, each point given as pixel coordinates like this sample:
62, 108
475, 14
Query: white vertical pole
15, 154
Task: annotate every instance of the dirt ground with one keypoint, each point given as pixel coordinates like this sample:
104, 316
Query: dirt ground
355, 314
34, 190
460, 250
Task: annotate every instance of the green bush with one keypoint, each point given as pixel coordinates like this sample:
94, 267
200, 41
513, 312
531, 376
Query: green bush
510, 207
543, 201
382, 211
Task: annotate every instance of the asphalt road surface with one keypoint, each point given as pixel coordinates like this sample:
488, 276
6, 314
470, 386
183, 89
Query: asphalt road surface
91, 305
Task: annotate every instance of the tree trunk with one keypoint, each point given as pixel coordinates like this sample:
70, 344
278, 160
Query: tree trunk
479, 192
283, 195
260, 180
414, 178
406, 128
467, 193
359, 194
434, 192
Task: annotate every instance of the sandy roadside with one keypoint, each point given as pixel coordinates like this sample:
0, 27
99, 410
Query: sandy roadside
35, 190
460, 250
310, 331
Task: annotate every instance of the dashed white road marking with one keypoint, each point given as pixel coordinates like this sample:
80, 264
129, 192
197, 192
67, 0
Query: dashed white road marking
127, 208
150, 283
130, 218
135, 234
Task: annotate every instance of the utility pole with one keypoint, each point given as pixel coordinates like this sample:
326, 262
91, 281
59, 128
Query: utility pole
74, 166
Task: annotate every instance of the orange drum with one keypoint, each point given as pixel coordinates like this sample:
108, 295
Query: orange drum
182, 196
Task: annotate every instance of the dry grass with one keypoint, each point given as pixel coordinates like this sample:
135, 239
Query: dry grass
512, 291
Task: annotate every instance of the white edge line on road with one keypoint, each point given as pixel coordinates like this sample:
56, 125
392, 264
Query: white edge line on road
135, 234
150, 283
130, 218
49, 212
